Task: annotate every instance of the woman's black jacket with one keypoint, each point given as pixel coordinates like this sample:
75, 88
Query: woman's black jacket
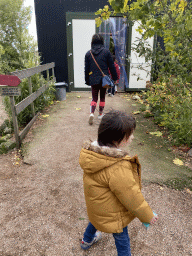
104, 59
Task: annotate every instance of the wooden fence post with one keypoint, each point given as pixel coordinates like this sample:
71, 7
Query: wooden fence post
15, 123
53, 73
48, 75
30, 92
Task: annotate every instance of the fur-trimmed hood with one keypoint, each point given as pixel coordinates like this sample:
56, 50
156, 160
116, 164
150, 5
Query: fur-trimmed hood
107, 151
94, 158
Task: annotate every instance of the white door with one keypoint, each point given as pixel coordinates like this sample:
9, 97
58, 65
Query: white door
82, 28
138, 67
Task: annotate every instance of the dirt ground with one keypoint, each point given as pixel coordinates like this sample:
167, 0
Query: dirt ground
42, 206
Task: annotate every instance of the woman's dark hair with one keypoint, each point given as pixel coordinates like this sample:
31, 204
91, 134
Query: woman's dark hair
97, 39
114, 127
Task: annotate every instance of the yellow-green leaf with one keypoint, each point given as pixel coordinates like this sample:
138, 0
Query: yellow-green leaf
45, 115
158, 134
177, 161
136, 112
188, 191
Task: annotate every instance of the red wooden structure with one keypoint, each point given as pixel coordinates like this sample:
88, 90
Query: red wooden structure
9, 80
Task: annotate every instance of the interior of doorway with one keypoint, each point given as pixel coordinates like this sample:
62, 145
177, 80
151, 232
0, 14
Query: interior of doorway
114, 32
112, 50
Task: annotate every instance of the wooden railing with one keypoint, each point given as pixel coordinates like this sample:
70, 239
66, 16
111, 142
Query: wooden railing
16, 109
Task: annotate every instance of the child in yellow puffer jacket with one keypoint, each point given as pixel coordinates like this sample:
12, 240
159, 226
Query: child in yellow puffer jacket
112, 183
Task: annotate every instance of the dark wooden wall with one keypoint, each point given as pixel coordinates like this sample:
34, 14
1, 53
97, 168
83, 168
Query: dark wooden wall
51, 29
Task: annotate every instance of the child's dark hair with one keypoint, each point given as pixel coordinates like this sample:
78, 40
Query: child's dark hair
114, 127
97, 39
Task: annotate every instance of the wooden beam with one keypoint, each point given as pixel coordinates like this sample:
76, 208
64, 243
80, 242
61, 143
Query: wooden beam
24, 103
32, 71
27, 127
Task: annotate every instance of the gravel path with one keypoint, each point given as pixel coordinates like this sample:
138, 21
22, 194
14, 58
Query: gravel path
42, 206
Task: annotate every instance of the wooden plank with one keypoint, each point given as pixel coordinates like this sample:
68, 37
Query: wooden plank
32, 71
15, 123
24, 103
27, 127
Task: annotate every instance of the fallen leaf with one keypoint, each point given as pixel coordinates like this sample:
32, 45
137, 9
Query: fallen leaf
90, 97
136, 112
161, 188
147, 111
188, 191
51, 102
77, 108
58, 101
177, 161
45, 115
158, 134
128, 99
78, 96
17, 163
134, 104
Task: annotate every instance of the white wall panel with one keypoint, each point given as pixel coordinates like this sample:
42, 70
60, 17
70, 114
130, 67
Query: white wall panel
137, 62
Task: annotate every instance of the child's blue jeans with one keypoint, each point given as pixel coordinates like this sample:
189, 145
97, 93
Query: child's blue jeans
122, 240
111, 90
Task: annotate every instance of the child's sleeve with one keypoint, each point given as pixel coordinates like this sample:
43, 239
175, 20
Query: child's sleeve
118, 72
86, 70
125, 188
111, 66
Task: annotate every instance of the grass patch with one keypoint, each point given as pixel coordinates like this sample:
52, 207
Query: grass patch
180, 183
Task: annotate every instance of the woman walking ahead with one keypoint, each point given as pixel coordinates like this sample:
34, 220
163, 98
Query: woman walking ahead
112, 183
93, 76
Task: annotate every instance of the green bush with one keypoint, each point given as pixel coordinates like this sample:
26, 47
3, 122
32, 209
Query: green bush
45, 99
171, 104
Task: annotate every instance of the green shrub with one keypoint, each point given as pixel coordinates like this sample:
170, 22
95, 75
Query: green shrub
171, 104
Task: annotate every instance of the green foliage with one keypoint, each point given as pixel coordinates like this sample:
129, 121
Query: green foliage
18, 51
170, 98
170, 20
171, 103
16, 45
42, 101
